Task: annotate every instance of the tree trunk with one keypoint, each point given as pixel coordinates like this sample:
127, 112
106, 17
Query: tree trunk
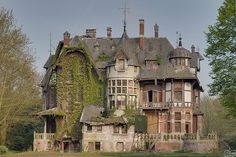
3, 132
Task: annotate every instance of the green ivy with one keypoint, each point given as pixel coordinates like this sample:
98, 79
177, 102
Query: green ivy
158, 59
77, 86
103, 57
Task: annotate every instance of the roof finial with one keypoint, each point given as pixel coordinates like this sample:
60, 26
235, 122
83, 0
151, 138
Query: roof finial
180, 40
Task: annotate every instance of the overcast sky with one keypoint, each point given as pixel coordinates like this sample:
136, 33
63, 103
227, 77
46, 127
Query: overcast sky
39, 18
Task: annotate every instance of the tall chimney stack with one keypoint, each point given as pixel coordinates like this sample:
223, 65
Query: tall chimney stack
141, 33
109, 30
66, 38
156, 31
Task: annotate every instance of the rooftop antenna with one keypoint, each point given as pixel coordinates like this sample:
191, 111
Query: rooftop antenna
51, 46
125, 10
50, 50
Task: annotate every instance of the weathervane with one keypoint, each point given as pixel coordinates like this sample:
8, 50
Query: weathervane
125, 10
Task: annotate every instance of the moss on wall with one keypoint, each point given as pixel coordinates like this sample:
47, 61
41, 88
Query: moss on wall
77, 86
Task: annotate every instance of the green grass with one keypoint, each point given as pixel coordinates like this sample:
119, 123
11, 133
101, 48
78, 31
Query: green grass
111, 154
160, 154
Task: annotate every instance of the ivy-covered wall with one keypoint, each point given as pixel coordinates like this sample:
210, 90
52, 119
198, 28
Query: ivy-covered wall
77, 86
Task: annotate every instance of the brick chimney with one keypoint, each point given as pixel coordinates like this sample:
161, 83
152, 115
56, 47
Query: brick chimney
156, 31
109, 30
91, 33
141, 34
66, 38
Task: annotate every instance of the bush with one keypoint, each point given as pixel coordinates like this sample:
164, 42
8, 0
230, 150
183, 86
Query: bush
3, 150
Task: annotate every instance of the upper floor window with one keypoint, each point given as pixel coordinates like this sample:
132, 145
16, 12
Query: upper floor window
154, 96
89, 127
116, 129
151, 64
177, 115
99, 128
124, 129
178, 93
121, 64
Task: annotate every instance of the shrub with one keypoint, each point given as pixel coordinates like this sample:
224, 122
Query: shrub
3, 150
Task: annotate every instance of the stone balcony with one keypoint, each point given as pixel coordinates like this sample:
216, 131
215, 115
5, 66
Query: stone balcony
43, 141
44, 136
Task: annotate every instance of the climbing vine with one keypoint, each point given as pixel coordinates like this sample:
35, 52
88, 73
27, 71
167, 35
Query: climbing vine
77, 86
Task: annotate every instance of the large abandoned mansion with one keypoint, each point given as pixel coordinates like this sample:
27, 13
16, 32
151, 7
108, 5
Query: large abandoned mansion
122, 94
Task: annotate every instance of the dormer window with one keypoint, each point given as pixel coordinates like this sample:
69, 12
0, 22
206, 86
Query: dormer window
151, 64
121, 64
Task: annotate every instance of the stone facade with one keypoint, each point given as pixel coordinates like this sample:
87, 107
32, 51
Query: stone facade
107, 139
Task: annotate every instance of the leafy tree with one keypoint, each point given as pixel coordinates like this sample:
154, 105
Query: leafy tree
221, 53
18, 79
217, 119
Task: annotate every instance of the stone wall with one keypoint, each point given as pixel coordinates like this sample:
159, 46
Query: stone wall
199, 146
109, 141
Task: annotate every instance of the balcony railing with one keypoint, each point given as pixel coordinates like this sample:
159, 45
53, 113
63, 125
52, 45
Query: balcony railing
166, 105
44, 136
154, 105
174, 136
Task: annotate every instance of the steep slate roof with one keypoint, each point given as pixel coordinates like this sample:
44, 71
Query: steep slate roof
92, 114
103, 52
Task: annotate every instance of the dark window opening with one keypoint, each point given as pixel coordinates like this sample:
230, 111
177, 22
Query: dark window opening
187, 128
89, 127
97, 146
168, 127
124, 129
150, 96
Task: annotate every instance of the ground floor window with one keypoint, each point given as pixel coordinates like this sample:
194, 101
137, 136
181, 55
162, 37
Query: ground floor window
97, 146
177, 126
120, 146
168, 127
90, 146
94, 146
